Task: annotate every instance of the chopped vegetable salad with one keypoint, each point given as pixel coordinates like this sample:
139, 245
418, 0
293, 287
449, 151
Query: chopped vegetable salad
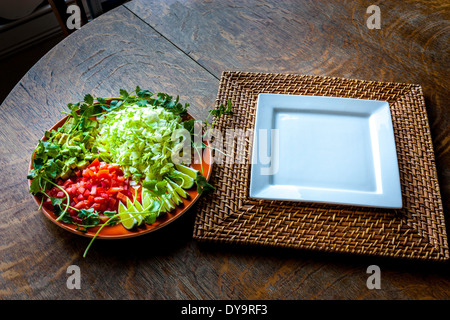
112, 161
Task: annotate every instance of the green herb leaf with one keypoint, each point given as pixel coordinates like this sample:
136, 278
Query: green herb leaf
57, 210
56, 201
124, 94
101, 100
144, 94
88, 99
113, 220
189, 125
222, 109
155, 187
38, 163
89, 217
35, 186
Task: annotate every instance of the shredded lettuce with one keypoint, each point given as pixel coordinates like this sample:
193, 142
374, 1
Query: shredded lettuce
139, 140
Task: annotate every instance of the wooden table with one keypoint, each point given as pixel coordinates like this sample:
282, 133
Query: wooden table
182, 48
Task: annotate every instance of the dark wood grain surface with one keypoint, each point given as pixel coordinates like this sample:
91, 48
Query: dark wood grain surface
182, 48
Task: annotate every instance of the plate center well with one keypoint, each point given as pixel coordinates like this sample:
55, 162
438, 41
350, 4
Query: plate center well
323, 149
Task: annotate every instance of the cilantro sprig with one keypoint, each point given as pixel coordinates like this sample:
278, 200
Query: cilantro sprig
90, 218
145, 98
72, 146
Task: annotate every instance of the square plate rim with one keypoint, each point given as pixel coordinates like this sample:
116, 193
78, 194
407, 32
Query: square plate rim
380, 200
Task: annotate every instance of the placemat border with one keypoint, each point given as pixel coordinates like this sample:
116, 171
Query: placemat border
416, 231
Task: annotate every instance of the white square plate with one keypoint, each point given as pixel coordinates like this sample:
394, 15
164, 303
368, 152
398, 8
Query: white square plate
324, 149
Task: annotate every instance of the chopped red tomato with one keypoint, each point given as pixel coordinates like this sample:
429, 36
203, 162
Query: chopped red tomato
98, 186
121, 197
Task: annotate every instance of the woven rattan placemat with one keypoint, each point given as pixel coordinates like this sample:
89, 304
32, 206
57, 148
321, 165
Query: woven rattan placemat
416, 231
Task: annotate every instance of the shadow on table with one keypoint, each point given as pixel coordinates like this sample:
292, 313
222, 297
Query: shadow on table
161, 242
344, 259
176, 240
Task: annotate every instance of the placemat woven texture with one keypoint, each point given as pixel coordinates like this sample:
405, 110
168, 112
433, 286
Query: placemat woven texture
416, 231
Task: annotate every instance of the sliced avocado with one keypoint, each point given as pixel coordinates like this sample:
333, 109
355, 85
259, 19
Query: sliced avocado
63, 138
60, 163
168, 205
187, 182
72, 162
57, 136
89, 141
74, 150
175, 197
89, 156
82, 164
65, 150
178, 189
193, 173
126, 219
66, 173
154, 209
147, 201
133, 208
163, 205
150, 218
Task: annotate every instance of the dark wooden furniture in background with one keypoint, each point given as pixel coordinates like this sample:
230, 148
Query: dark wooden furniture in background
59, 8
182, 48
